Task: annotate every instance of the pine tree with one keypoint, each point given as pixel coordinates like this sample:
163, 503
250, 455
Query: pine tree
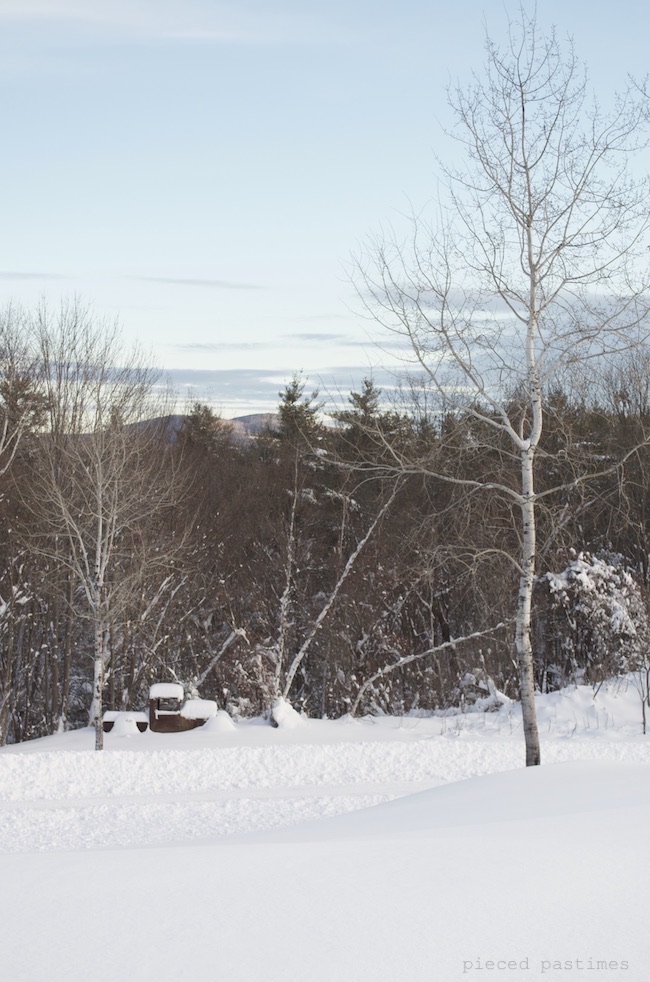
299, 415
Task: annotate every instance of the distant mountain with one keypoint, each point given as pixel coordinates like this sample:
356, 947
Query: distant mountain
242, 427
246, 427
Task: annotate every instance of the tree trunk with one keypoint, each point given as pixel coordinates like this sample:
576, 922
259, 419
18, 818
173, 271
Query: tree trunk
98, 685
285, 599
523, 642
67, 660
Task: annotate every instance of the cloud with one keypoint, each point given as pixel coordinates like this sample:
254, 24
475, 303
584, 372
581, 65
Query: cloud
210, 284
183, 21
13, 275
317, 336
239, 391
220, 376
39, 9
322, 317
345, 341
205, 36
221, 345
65, 12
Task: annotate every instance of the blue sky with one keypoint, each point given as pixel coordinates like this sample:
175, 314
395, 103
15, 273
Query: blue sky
203, 170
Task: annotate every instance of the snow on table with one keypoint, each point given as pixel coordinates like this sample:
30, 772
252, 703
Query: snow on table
166, 690
199, 709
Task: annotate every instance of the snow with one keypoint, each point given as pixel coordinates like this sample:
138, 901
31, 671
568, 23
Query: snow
111, 716
220, 722
199, 709
399, 850
166, 690
285, 716
126, 724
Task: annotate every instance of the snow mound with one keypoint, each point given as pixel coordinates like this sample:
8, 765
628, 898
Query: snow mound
533, 793
126, 725
220, 722
286, 716
199, 709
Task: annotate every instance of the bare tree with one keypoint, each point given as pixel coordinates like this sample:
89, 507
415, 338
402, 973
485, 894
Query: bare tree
22, 403
531, 265
105, 479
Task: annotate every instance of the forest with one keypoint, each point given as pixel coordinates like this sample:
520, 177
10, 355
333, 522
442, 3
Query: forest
361, 563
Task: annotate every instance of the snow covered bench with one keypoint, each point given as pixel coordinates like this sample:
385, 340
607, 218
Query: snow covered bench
125, 722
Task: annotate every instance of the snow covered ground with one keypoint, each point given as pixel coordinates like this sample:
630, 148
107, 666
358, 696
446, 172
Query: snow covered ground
379, 849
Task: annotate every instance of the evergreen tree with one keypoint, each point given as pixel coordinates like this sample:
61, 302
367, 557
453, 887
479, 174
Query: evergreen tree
299, 415
204, 429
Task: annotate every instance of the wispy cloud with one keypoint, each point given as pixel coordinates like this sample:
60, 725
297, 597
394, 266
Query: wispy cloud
317, 336
14, 275
322, 317
309, 338
210, 284
66, 12
38, 9
342, 340
221, 346
188, 21
243, 390
205, 36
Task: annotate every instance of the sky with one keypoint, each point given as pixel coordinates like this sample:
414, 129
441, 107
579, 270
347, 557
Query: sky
204, 171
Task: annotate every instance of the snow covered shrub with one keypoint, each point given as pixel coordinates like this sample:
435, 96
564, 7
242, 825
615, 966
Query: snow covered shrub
477, 692
596, 623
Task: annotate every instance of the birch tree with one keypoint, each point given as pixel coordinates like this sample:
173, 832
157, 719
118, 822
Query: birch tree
535, 261
104, 478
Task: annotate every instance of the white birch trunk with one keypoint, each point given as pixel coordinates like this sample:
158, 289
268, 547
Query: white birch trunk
523, 643
98, 688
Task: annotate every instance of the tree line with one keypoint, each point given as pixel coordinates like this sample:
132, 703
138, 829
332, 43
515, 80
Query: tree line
328, 564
